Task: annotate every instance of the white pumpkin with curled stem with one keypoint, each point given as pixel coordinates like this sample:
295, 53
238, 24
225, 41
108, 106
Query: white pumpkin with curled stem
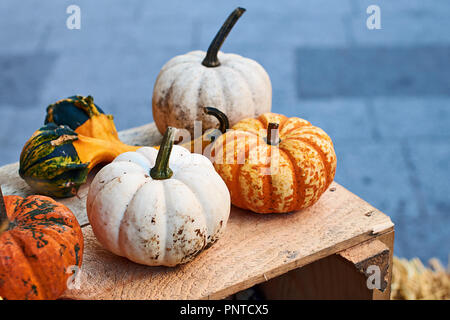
155, 211
237, 86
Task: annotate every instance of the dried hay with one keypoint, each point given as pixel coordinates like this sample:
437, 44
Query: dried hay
411, 280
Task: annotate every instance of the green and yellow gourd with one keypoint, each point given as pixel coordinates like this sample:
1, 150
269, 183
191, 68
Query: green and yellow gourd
77, 136
83, 116
56, 160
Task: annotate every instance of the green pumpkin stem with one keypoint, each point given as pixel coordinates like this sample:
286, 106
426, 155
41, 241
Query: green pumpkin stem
273, 137
211, 60
4, 220
223, 119
90, 100
161, 170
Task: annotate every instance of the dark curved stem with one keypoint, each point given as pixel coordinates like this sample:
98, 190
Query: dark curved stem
211, 59
4, 220
223, 119
161, 170
273, 137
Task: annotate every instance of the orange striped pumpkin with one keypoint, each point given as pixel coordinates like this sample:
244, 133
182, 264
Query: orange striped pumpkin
284, 169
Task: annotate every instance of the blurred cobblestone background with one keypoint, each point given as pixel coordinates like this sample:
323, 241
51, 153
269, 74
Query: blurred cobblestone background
382, 95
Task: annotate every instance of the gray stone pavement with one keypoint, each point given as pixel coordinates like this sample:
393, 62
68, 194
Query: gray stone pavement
382, 95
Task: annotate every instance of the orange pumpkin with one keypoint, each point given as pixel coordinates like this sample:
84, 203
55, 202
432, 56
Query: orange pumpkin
283, 169
40, 245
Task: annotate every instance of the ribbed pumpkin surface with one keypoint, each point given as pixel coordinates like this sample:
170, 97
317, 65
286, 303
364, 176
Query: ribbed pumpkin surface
264, 178
44, 239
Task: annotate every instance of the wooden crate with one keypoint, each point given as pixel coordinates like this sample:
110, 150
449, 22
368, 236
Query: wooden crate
321, 252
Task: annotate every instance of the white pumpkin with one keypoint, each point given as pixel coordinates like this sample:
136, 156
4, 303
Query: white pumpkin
237, 86
141, 209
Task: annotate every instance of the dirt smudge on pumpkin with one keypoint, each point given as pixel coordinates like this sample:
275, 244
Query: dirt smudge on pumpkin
154, 244
187, 241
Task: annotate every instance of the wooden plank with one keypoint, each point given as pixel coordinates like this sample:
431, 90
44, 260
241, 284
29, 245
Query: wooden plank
388, 240
341, 276
254, 248
369, 253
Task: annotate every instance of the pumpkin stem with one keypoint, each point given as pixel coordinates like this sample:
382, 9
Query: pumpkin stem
223, 119
87, 105
211, 59
4, 221
161, 170
90, 100
273, 137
